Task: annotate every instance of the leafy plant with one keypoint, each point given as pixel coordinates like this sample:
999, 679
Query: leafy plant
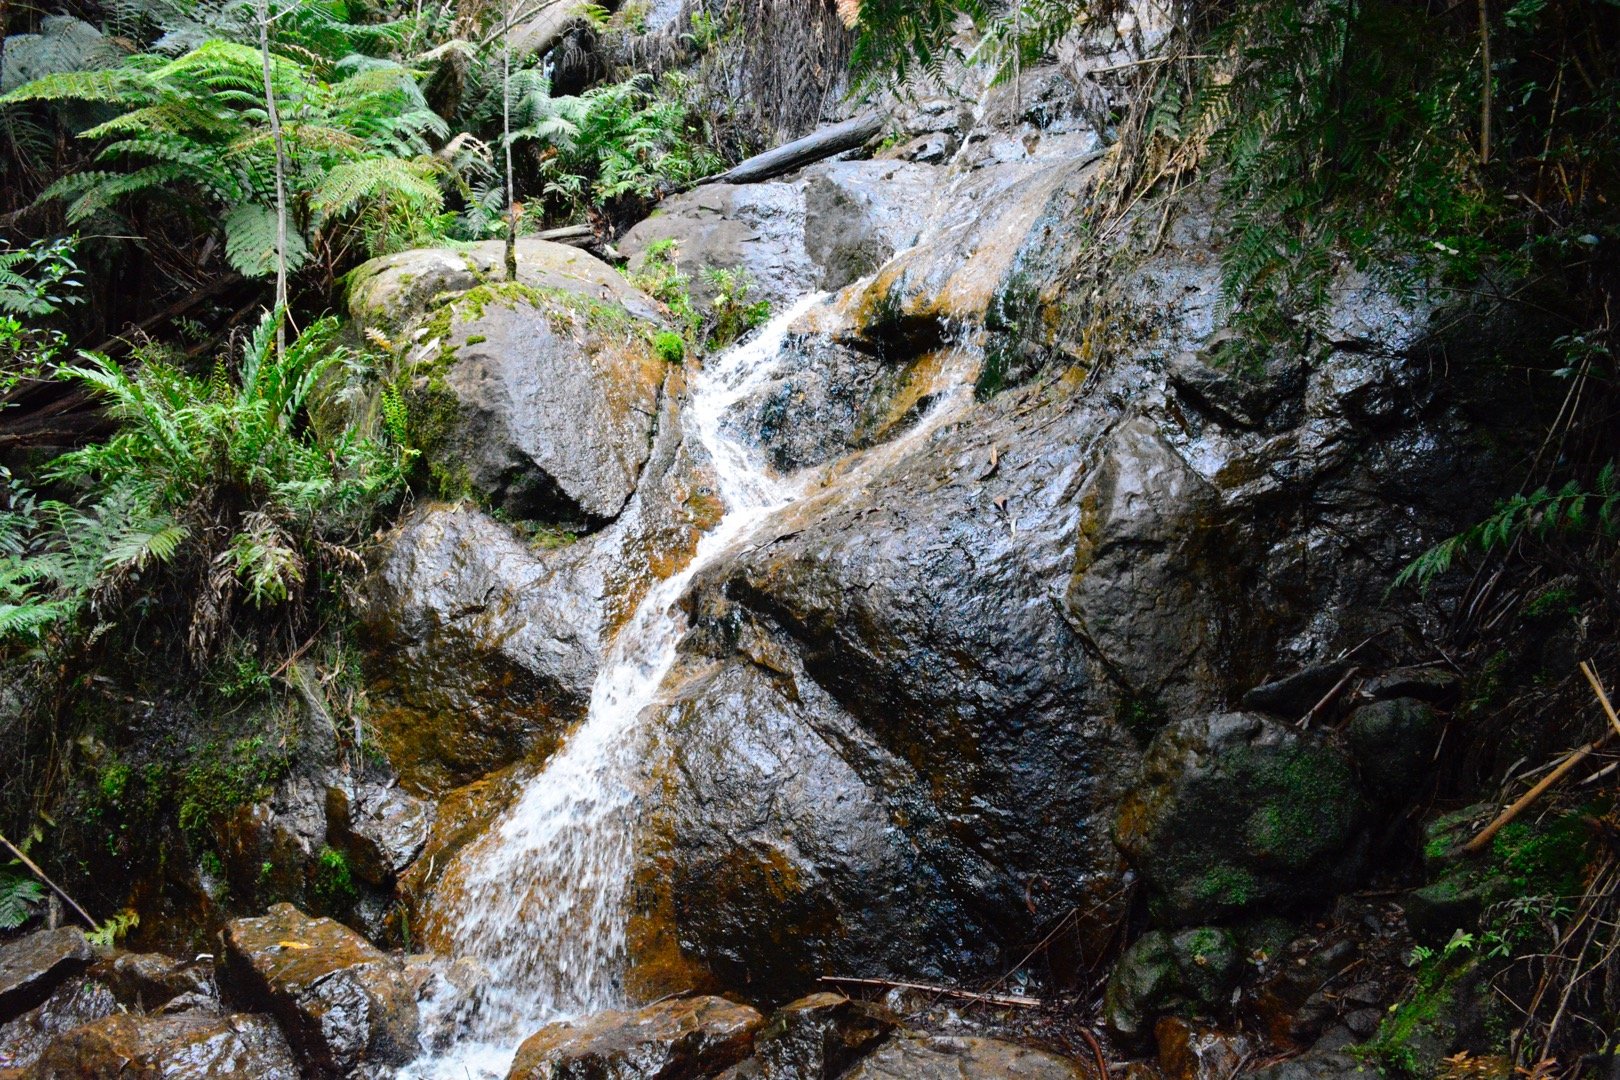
357, 130
1542, 513
731, 314
18, 894
111, 932
224, 473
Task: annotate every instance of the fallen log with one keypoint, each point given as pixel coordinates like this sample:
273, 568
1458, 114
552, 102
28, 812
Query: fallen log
574, 235
801, 152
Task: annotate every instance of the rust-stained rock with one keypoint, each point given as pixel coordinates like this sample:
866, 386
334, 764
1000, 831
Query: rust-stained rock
342, 1001
35, 964
194, 1046
671, 1040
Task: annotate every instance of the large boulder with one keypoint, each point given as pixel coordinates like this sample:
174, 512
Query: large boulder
540, 402
823, 228
192, 1046
485, 647
672, 1040
392, 292
341, 1000
956, 1058
35, 964
1236, 811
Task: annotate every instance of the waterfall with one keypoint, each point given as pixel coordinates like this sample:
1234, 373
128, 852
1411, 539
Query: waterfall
539, 898
537, 903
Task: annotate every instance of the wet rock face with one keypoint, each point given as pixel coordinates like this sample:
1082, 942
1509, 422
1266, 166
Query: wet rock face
485, 646
762, 806
341, 1001
1236, 811
37, 963
148, 981
923, 1058
828, 400
381, 829
74, 1003
815, 1038
825, 227
673, 1040
542, 402
194, 1046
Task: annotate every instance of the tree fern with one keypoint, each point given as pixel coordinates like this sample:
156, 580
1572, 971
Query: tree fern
359, 137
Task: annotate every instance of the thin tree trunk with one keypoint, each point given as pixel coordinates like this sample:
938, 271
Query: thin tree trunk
506, 142
274, 116
1485, 90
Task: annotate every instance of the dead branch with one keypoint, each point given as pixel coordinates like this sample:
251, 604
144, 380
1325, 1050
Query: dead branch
1016, 1001
1575, 757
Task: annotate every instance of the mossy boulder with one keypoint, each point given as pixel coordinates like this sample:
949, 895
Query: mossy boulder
1393, 742
537, 402
393, 292
1192, 971
1236, 811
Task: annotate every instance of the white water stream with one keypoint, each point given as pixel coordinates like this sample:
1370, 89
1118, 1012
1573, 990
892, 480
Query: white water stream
539, 899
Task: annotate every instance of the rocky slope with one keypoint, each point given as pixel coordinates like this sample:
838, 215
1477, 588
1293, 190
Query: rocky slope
1096, 666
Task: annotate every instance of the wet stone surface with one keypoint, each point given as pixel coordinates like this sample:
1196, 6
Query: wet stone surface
673, 1040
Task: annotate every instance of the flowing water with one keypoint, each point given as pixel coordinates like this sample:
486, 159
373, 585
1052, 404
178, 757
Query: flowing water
539, 899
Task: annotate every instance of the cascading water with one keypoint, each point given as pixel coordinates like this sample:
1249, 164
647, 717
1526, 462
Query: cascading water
539, 900
540, 897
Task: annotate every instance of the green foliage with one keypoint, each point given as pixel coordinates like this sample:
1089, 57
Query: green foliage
660, 279
669, 346
226, 471
194, 128
333, 884
1543, 513
36, 282
107, 936
731, 314
18, 894
622, 142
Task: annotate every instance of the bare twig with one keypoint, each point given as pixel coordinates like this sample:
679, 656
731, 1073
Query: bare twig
1603, 697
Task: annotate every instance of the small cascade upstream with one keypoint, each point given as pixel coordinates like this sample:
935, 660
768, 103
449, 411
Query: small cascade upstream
537, 903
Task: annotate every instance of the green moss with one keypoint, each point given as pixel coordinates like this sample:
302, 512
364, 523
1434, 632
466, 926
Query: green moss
218, 781
1418, 1029
1312, 802
669, 346
1229, 885
476, 339
333, 885
1141, 716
